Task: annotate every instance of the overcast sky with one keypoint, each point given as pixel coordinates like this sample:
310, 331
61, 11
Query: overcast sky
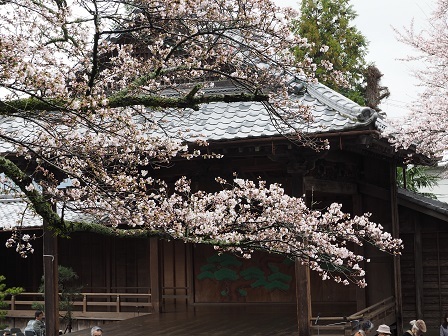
375, 20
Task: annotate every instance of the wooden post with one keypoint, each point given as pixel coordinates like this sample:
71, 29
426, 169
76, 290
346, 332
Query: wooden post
155, 276
303, 289
84, 303
396, 234
303, 295
190, 275
361, 300
418, 271
51, 292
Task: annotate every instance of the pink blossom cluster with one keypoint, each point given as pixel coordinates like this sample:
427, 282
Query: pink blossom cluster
246, 216
21, 242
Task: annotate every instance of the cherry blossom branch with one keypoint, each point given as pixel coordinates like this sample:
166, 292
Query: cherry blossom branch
425, 127
92, 107
188, 101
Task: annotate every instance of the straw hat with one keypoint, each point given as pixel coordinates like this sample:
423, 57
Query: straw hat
383, 329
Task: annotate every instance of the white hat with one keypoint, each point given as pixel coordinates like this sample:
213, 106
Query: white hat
419, 325
383, 329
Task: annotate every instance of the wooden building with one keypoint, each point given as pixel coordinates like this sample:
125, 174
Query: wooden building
359, 171
424, 271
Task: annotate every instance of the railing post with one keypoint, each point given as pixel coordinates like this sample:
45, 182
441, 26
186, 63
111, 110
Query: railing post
118, 303
13, 302
84, 303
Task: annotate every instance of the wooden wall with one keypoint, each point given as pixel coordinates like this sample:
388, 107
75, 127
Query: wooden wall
107, 264
424, 267
227, 278
103, 264
21, 272
176, 286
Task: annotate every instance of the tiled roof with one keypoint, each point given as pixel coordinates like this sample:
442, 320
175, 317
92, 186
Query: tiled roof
15, 128
331, 112
14, 212
431, 206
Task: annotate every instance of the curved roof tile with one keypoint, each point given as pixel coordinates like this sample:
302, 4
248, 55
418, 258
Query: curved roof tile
332, 112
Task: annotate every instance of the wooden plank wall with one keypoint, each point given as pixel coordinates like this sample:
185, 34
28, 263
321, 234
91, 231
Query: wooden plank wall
408, 279
174, 255
119, 265
22, 272
103, 264
424, 268
435, 275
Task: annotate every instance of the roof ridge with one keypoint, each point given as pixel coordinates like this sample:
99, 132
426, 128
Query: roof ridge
363, 114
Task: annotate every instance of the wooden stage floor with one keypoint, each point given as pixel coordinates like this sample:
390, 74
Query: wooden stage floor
207, 320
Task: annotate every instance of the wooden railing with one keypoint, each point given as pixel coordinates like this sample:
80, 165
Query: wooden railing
113, 306
382, 312
334, 326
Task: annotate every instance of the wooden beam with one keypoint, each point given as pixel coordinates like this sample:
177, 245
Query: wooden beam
439, 275
303, 290
374, 191
361, 300
418, 271
155, 275
439, 214
51, 288
396, 234
303, 294
190, 274
327, 186
110, 255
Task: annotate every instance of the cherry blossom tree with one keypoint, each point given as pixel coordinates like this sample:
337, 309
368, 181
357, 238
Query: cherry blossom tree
426, 125
85, 81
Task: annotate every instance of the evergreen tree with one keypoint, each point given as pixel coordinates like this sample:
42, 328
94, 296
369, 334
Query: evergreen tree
68, 292
414, 178
329, 23
4, 292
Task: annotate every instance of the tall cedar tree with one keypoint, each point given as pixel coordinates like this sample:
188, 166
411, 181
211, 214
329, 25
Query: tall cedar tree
328, 23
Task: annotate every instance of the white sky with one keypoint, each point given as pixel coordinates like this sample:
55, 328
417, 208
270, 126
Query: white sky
375, 20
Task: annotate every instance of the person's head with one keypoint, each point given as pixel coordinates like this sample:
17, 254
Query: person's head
39, 315
96, 331
366, 325
418, 327
445, 320
383, 330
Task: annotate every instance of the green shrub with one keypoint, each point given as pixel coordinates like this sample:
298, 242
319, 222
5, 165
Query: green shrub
4, 292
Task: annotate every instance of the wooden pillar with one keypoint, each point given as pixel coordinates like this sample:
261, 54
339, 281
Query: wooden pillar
303, 289
396, 234
418, 271
51, 295
155, 275
361, 300
110, 255
439, 276
190, 275
303, 296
